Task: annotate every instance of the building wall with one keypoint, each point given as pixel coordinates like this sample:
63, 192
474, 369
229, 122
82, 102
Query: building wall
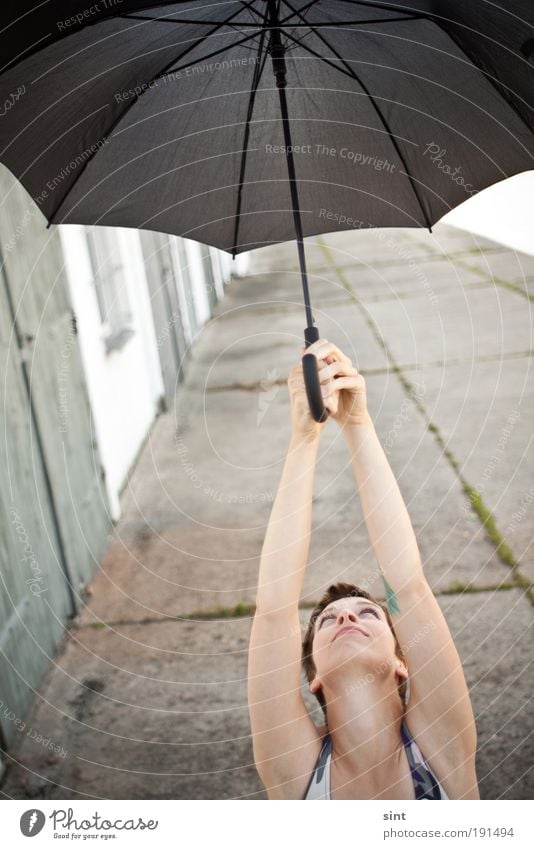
77, 404
53, 512
126, 385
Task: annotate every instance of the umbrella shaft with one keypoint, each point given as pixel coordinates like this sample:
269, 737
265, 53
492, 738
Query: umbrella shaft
279, 70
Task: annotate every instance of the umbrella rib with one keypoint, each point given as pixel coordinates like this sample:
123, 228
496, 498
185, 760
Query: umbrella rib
183, 21
164, 19
414, 16
488, 77
158, 76
436, 19
350, 72
37, 47
255, 83
387, 7
135, 99
340, 24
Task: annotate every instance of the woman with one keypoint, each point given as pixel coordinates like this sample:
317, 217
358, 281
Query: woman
357, 653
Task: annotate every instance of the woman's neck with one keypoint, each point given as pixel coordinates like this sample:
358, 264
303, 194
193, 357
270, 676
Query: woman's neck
365, 728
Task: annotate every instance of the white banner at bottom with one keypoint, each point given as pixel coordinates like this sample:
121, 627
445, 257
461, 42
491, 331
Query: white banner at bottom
260, 824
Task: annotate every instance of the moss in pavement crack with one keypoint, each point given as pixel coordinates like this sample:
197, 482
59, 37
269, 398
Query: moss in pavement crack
497, 281
245, 609
461, 587
475, 498
237, 611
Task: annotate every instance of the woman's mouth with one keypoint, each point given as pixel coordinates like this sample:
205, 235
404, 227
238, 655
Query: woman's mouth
348, 629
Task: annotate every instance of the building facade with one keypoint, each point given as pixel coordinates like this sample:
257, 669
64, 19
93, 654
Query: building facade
96, 330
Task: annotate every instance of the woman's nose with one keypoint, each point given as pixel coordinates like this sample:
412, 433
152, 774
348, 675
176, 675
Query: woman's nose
347, 615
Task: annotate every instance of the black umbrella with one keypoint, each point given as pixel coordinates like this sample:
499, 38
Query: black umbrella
189, 117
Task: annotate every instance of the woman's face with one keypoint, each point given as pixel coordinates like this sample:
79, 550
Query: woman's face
353, 631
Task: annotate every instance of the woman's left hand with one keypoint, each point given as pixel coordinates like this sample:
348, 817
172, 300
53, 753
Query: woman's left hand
343, 387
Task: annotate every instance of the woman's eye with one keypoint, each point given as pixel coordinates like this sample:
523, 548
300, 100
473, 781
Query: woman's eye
364, 610
328, 616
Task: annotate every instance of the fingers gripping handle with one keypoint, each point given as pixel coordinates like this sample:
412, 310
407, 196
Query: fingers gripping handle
311, 378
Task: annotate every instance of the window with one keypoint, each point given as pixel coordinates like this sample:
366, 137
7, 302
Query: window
184, 286
110, 286
209, 277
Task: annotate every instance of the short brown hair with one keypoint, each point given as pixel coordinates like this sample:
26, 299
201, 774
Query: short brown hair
333, 593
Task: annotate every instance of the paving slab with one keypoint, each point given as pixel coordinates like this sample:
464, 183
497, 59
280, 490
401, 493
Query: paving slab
274, 292
511, 266
153, 711
485, 413
428, 278
264, 291
175, 574
370, 280
490, 258
378, 247
159, 711
196, 510
274, 257
460, 324
242, 347
147, 703
348, 247
494, 634
451, 540
374, 246
449, 240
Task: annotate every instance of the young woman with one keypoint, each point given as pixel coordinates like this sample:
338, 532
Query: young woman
360, 657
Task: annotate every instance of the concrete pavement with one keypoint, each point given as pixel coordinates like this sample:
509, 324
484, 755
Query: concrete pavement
148, 694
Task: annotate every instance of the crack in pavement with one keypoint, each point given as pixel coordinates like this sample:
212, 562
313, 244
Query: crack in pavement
476, 501
245, 610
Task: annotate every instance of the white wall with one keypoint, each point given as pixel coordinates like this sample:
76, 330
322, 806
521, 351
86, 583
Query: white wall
503, 212
125, 385
194, 251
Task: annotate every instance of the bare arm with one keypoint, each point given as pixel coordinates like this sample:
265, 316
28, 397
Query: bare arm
388, 523
286, 545
286, 742
287, 541
439, 711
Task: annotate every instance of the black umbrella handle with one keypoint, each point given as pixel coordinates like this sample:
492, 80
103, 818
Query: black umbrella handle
311, 377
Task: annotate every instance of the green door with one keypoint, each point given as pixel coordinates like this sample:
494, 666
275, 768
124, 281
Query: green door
53, 505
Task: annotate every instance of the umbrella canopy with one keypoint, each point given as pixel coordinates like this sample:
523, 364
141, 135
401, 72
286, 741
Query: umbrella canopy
169, 116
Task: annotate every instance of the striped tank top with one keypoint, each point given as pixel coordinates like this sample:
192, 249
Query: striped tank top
425, 783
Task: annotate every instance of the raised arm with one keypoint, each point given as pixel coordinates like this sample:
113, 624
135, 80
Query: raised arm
439, 710
286, 545
285, 740
388, 524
